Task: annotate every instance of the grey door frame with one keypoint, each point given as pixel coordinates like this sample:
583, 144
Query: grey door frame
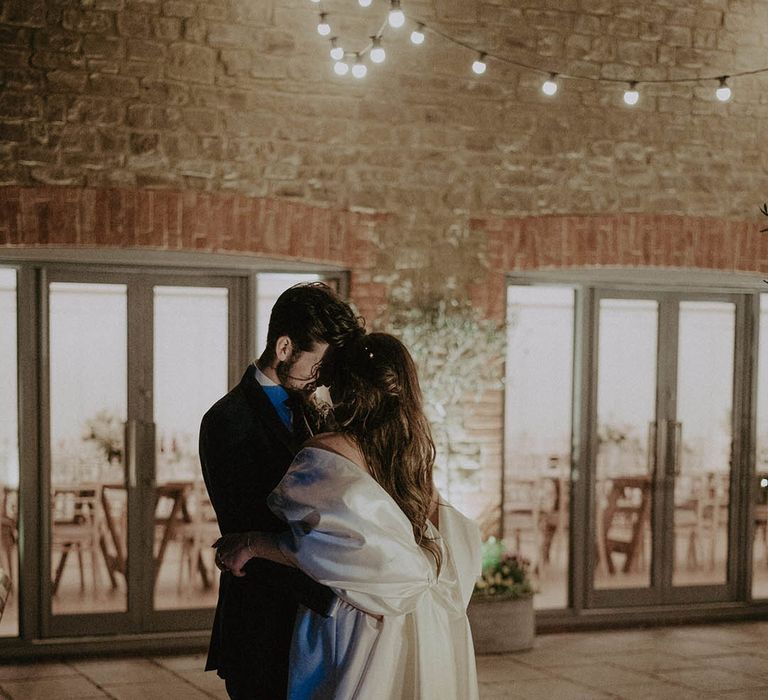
661, 591
579, 612
35, 268
139, 451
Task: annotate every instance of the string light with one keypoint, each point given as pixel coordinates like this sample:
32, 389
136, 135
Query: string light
723, 92
631, 95
323, 28
479, 65
549, 86
359, 70
377, 53
316, 1
396, 16
337, 52
417, 35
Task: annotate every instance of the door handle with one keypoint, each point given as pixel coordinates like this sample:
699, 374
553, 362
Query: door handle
652, 447
130, 450
662, 448
678, 446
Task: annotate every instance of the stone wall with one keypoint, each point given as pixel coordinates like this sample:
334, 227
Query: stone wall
229, 110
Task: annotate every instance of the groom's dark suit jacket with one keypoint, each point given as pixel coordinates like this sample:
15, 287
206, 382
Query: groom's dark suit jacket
245, 449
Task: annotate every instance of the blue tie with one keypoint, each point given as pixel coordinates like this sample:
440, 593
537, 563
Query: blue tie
277, 397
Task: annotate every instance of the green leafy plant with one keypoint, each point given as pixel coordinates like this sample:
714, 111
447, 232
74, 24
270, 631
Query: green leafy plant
459, 354
105, 429
456, 349
505, 576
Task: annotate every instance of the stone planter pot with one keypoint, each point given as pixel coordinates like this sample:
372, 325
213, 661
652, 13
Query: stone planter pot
500, 626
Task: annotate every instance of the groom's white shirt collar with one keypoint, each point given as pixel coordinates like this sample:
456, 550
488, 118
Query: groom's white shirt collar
263, 379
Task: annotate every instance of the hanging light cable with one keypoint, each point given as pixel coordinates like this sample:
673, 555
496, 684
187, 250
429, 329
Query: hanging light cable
396, 18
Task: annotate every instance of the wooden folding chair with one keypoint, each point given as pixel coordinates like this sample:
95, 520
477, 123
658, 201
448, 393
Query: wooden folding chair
5, 589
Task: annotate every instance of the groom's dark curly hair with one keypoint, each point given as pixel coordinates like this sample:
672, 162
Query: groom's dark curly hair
309, 313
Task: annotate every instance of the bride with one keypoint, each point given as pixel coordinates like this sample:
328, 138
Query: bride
364, 518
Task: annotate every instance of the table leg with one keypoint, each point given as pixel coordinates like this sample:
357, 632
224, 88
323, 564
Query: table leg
170, 527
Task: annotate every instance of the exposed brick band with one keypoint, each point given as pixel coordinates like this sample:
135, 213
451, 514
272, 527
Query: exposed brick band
195, 221
627, 240
64, 216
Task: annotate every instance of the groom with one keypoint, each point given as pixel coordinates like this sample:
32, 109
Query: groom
247, 441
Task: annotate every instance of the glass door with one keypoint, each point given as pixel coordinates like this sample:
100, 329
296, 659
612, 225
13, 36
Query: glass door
85, 451
625, 447
663, 445
131, 362
191, 371
704, 456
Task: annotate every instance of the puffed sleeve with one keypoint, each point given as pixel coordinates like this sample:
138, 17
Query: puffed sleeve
346, 532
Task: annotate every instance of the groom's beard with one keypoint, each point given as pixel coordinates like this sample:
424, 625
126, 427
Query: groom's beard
283, 371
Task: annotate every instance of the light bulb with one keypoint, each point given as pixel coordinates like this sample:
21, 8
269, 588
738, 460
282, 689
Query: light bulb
316, 1
723, 93
323, 28
364, 3
631, 96
417, 35
396, 16
359, 69
549, 86
337, 52
479, 65
377, 53
341, 68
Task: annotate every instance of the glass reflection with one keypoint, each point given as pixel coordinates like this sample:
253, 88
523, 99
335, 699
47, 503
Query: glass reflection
190, 374
626, 414
704, 435
760, 488
88, 388
9, 452
538, 434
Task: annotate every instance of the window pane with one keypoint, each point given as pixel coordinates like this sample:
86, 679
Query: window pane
9, 450
626, 410
270, 286
88, 385
704, 436
538, 434
191, 358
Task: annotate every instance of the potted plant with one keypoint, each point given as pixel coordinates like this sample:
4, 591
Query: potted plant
501, 610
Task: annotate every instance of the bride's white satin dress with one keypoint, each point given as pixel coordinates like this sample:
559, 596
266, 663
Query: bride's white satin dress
348, 533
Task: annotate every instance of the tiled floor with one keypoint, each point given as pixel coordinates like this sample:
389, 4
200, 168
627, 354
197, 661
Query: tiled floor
675, 663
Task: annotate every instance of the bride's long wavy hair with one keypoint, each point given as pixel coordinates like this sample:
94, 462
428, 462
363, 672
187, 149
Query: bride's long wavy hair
377, 402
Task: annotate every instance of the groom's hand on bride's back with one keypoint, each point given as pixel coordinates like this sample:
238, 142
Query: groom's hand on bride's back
232, 553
